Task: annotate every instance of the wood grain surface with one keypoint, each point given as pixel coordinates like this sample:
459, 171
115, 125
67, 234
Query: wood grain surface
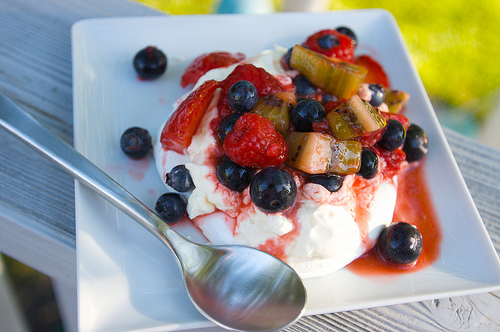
37, 222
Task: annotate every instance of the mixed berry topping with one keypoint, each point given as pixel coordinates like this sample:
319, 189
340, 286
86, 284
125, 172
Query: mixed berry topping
328, 41
376, 73
415, 146
273, 190
326, 98
348, 32
332, 182
227, 125
150, 63
242, 96
393, 137
179, 179
285, 61
232, 175
264, 82
400, 243
317, 128
369, 164
276, 108
377, 94
306, 113
171, 207
136, 142
206, 62
255, 142
182, 124
333, 44
304, 87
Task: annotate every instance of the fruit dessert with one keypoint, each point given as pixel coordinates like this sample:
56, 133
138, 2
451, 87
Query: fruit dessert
295, 152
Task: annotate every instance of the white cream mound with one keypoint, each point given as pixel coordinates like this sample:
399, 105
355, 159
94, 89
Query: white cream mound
322, 232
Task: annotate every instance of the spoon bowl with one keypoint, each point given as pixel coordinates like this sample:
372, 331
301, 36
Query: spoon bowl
236, 287
229, 293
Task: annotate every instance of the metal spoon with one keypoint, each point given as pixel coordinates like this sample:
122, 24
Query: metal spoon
236, 287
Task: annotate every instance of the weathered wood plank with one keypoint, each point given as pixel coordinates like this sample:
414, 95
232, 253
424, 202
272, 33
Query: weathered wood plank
37, 224
36, 198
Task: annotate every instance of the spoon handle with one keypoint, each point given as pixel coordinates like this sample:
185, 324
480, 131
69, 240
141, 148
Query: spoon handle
32, 132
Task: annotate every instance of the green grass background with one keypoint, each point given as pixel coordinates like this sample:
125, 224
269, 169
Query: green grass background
454, 44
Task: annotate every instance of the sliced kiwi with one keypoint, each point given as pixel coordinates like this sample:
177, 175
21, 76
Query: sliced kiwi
347, 157
354, 117
341, 79
309, 151
276, 107
318, 153
396, 100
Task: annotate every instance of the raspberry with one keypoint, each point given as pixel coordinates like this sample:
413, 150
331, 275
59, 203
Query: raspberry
340, 46
206, 62
255, 142
393, 160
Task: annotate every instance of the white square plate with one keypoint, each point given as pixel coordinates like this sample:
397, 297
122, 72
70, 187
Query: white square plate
127, 280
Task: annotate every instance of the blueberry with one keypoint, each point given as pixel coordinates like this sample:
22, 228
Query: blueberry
232, 175
348, 32
378, 94
306, 112
393, 137
326, 98
369, 164
242, 96
332, 182
150, 63
136, 142
400, 243
273, 190
286, 59
328, 41
180, 179
227, 125
171, 207
304, 87
416, 143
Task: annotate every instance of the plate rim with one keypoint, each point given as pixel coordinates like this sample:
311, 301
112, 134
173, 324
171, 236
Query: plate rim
78, 29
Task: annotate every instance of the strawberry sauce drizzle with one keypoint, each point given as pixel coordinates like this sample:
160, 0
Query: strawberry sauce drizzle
413, 206
364, 194
277, 246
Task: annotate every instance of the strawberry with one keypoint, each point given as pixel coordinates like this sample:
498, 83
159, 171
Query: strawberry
341, 48
255, 142
401, 118
206, 62
181, 126
376, 73
264, 82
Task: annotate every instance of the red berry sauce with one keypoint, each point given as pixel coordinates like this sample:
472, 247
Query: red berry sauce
413, 206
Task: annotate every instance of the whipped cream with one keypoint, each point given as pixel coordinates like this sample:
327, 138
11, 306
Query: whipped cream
322, 232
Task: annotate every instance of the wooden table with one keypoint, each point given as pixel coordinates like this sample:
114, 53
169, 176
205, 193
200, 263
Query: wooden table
37, 221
